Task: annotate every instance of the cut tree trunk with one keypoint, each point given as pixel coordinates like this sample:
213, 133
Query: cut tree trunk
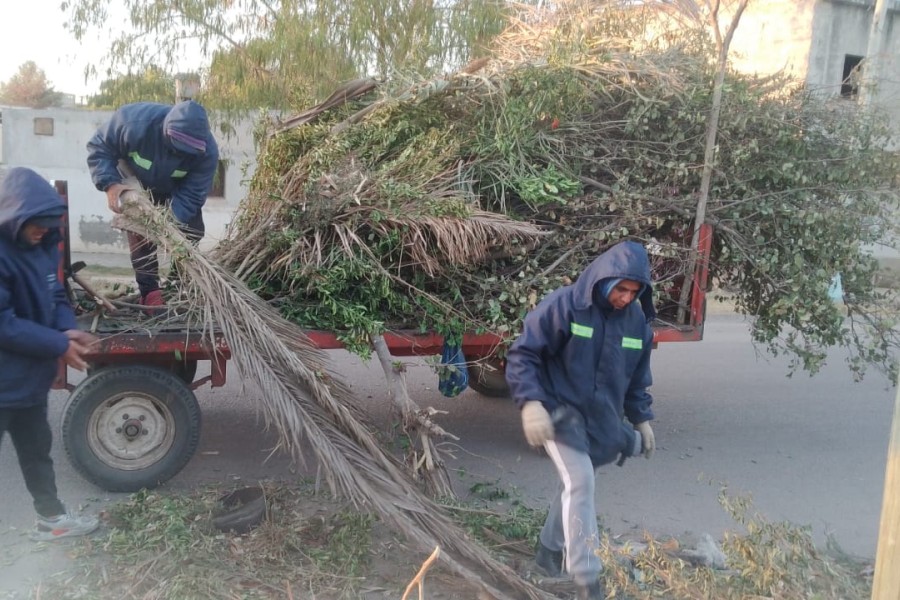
418, 424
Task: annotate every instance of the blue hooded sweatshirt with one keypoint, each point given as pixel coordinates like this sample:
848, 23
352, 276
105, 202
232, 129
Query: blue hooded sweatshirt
34, 310
138, 134
587, 363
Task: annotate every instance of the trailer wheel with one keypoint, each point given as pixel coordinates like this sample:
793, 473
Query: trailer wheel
131, 427
488, 378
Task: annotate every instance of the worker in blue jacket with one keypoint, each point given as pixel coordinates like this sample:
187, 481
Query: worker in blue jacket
37, 328
172, 152
579, 368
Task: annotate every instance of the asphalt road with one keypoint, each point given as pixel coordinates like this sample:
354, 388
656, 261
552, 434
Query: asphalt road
808, 450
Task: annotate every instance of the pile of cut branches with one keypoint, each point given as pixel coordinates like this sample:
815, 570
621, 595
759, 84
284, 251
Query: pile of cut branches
457, 203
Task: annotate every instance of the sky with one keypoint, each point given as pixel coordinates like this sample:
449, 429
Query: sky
33, 30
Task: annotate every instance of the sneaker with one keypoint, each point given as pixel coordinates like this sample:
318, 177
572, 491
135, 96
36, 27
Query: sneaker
63, 526
591, 591
550, 561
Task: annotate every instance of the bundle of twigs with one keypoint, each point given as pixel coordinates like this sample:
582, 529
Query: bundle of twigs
587, 123
307, 402
448, 164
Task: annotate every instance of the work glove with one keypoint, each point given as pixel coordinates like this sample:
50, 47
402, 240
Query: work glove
114, 197
648, 440
536, 423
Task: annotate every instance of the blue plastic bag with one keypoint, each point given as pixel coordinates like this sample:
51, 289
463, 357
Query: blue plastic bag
453, 376
836, 289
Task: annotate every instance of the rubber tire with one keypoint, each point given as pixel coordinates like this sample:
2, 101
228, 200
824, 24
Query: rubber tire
186, 370
490, 382
170, 410
242, 510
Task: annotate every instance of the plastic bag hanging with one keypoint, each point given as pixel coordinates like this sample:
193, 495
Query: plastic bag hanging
453, 376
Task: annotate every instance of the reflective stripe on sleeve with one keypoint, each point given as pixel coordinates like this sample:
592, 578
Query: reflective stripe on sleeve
140, 160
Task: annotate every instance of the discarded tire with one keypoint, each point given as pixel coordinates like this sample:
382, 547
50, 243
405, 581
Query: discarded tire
241, 511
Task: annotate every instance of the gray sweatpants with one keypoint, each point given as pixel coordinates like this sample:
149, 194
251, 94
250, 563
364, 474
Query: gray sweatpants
571, 524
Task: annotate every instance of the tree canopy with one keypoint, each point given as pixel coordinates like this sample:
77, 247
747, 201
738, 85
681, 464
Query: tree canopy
29, 87
151, 85
256, 53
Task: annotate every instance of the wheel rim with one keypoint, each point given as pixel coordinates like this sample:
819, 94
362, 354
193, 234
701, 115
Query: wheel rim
131, 431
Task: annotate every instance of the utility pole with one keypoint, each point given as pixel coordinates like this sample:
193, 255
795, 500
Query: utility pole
873, 64
886, 585
887, 562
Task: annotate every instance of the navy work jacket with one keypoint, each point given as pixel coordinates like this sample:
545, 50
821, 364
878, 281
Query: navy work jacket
587, 363
136, 134
34, 310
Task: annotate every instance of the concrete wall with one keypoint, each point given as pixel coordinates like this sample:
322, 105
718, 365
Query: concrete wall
62, 155
842, 27
809, 39
772, 36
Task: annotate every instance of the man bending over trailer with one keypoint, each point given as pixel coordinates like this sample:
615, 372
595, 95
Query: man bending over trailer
172, 152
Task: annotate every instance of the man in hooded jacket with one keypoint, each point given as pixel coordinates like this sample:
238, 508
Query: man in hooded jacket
172, 152
37, 328
580, 367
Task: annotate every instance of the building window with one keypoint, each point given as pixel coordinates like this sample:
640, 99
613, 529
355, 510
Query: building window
218, 185
43, 126
850, 80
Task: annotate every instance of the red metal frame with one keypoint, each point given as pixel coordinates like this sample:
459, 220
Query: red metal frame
164, 349
693, 330
168, 348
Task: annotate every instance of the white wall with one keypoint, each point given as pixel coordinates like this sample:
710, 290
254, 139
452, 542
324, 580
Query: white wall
63, 156
809, 40
773, 36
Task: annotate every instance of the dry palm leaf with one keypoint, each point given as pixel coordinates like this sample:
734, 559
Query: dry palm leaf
307, 403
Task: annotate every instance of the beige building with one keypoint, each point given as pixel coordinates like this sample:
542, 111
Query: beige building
827, 44
822, 42
52, 142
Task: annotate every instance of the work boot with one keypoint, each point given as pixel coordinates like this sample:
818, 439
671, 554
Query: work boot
153, 301
549, 561
591, 591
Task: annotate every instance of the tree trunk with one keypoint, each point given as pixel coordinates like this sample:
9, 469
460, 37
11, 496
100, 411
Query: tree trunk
712, 131
424, 456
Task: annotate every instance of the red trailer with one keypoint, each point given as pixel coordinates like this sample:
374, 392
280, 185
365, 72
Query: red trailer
134, 421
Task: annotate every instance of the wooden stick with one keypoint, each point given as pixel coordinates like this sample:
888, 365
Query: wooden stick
420, 576
887, 564
97, 297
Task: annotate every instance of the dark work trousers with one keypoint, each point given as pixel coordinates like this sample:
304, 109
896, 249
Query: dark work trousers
143, 251
32, 439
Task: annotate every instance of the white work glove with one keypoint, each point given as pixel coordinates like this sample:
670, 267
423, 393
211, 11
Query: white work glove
536, 423
648, 440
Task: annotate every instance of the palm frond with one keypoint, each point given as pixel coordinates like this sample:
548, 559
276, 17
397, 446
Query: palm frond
306, 402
